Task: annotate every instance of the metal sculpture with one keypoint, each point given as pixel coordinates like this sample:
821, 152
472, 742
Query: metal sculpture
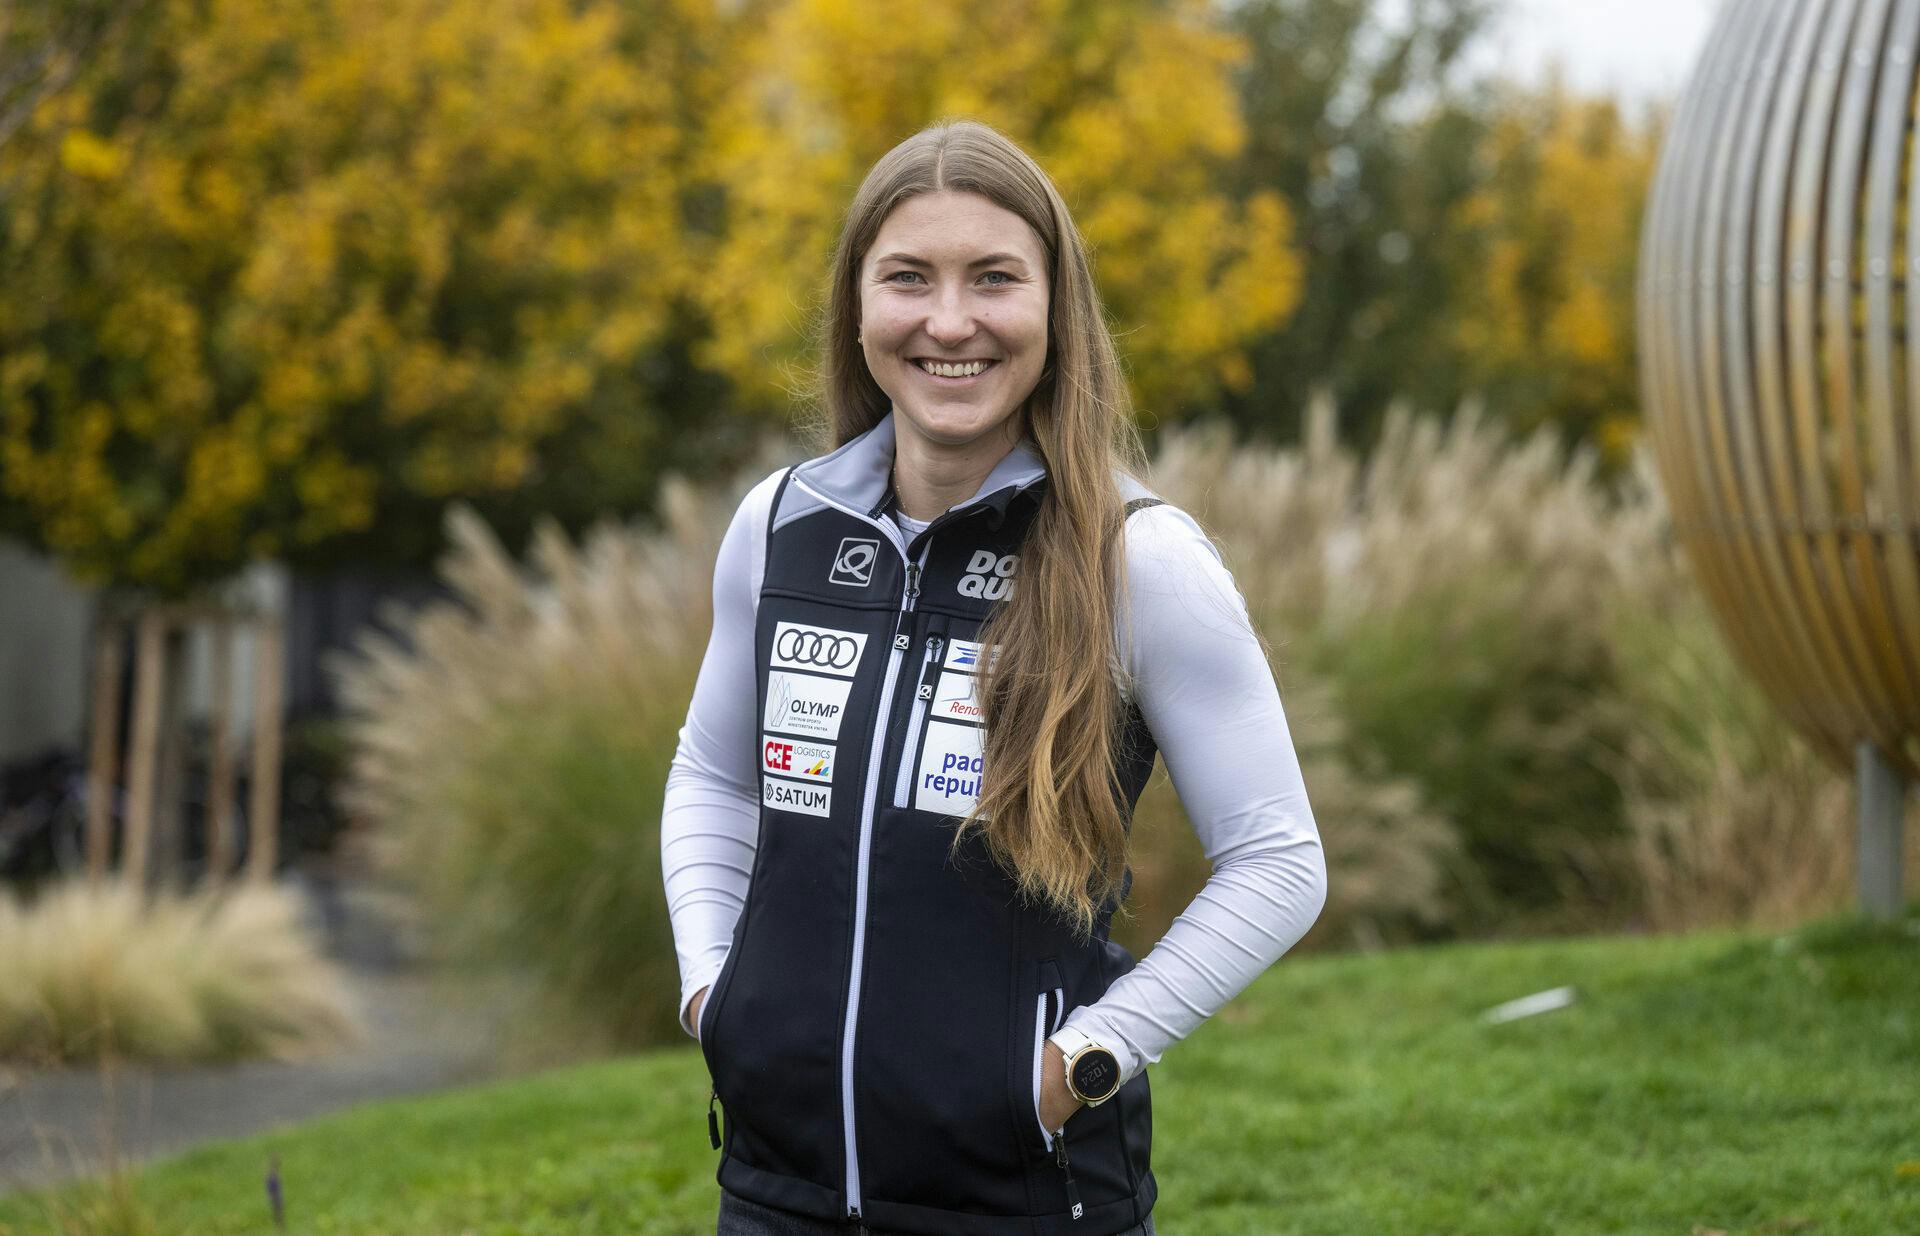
1779, 267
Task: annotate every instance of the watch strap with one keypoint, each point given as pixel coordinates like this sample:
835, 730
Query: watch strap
1072, 1042
1069, 1040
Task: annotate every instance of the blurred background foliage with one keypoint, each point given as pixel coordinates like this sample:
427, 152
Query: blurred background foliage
1512, 710
424, 284
284, 281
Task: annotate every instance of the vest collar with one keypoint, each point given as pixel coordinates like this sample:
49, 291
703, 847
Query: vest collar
858, 474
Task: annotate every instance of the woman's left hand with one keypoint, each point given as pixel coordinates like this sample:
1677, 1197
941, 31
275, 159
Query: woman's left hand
1057, 1104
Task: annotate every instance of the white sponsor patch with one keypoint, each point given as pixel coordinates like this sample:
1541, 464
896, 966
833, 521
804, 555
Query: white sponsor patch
796, 757
956, 700
965, 655
796, 797
820, 650
805, 704
948, 780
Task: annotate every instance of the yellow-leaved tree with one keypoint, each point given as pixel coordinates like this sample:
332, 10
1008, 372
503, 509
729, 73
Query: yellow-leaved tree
1129, 104
1546, 250
283, 279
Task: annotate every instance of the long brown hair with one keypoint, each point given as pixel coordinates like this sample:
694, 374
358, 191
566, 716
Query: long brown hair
1049, 810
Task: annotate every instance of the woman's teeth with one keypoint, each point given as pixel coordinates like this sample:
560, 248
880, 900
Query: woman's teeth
966, 370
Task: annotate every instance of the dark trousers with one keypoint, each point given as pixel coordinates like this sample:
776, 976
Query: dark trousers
740, 1217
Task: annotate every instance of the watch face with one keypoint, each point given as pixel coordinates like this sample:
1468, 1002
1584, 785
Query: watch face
1096, 1073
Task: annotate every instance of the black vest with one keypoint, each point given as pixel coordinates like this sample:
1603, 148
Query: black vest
873, 1037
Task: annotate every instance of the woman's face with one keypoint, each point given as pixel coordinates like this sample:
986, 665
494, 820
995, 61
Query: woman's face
954, 278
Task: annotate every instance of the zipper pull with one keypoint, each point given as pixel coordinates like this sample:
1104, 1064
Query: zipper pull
713, 1121
1060, 1157
913, 581
931, 674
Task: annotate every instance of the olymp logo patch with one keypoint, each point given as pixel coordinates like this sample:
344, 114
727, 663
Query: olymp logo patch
853, 562
819, 650
805, 704
989, 575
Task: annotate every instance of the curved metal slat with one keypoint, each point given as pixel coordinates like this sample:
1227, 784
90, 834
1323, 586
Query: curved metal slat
1833, 690
1699, 517
1779, 279
1839, 295
1804, 216
1721, 348
1808, 660
1887, 497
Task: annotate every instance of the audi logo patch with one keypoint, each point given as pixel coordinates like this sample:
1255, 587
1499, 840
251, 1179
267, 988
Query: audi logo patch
853, 562
821, 650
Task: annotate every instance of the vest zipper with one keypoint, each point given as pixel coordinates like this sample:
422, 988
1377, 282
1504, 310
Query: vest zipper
901, 642
917, 719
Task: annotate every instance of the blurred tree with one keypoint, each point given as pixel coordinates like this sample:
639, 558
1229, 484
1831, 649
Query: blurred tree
1545, 251
1129, 105
1356, 113
1461, 235
43, 43
282, 279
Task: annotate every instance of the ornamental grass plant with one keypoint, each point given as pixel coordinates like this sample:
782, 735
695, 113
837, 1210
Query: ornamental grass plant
1512, 710
511, 749
90, 969
1524, 649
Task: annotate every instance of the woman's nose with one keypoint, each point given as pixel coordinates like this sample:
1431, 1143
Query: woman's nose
950, 320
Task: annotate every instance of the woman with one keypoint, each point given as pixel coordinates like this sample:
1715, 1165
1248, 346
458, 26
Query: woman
943, 658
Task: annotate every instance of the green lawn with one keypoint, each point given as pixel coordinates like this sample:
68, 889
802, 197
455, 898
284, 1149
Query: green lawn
1738, 1083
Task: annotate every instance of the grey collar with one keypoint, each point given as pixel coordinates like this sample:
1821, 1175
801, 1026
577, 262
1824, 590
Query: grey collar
857, 475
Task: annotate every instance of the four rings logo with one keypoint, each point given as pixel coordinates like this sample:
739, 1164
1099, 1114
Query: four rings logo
821, 650
853, 562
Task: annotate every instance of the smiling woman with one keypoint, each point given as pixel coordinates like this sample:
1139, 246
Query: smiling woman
896, 828
953, 326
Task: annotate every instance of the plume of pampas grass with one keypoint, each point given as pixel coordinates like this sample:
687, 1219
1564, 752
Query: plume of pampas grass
88, 969
1565, 605
510, 747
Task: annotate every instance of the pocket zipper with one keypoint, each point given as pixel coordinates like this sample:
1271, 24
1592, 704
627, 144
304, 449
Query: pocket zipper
1056, 1142
1040, 1032
1039, 1062
700, 1036
916, 720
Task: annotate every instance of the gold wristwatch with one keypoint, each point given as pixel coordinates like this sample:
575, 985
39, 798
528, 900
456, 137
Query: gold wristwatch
1093, 1072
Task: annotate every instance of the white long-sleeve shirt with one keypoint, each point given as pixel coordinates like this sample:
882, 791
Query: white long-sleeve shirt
1201, 680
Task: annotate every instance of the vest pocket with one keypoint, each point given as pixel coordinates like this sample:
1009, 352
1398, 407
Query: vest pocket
710, 1011
1049, 1010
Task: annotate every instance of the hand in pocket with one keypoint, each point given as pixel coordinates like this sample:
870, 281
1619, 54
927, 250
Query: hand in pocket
1057, 1104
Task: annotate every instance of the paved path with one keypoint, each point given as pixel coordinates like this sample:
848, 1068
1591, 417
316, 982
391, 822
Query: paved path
52, 1122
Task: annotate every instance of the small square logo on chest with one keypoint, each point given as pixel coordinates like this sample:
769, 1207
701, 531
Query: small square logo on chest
853, 562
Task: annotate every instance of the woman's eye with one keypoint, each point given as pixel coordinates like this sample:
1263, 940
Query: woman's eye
916, 274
